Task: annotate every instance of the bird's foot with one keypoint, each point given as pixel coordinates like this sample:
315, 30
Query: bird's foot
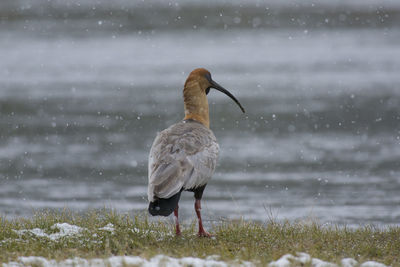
204, 234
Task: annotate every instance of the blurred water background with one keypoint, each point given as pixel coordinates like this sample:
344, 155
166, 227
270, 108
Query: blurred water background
86, 85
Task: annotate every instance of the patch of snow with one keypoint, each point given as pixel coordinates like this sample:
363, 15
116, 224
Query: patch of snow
135, 230
213, 257
140, 231
321, 263
119, 261
159, 235
8, 240
109, 227
284, 261
34, 261
127, 260
349, 262
372, 264
289, 260
303, 257
35, 231
65, 229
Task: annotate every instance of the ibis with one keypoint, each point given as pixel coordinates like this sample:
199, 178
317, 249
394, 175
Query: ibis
183, 157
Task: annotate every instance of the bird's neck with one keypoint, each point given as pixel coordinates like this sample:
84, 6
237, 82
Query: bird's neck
196, 104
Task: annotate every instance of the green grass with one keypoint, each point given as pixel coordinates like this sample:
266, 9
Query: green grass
251, 241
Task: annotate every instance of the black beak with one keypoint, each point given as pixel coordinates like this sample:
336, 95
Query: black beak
223, 90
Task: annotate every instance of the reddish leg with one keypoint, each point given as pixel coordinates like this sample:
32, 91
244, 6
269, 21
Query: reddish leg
202, 232
178, 230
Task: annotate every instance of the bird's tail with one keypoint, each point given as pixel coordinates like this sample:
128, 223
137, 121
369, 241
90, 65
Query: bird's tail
164, 206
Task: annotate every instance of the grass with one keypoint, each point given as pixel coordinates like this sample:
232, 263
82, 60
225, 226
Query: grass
251, 241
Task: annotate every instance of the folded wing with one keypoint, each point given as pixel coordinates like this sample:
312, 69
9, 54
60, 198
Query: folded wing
183, 156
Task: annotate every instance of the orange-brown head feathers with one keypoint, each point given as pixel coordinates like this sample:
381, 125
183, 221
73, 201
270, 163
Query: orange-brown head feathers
200, 76
195, 92
194, 96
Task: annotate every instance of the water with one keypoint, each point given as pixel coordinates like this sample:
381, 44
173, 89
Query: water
84, 90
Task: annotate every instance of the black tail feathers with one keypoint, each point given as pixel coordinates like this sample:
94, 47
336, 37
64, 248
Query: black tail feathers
164, 206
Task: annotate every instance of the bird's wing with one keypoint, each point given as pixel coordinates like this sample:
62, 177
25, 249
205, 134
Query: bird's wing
204, 163
182, 156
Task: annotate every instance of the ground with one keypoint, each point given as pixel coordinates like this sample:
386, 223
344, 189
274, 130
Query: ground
103, 234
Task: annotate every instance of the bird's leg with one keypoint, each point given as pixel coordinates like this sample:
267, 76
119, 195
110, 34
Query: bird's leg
197, 207
178, 230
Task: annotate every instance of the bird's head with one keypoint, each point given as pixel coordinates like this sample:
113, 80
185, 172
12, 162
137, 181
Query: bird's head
200, 82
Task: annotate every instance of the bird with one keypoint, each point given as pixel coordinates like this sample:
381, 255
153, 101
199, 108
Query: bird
183, 157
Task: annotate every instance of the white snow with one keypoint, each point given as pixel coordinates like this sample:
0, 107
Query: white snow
65, 229
109, 227
349, 262
287, 260
119, 261
372, 264
300, 259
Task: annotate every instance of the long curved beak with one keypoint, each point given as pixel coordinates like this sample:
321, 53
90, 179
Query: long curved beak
215, 85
